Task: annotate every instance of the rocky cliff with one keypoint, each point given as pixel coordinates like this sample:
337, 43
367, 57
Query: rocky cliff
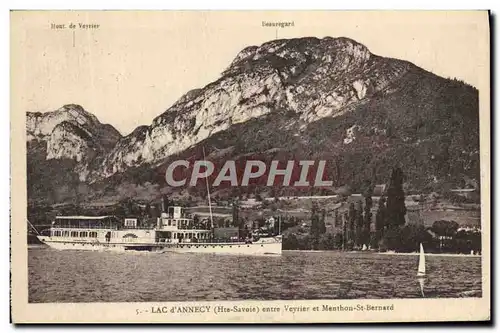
313, 78
70, 133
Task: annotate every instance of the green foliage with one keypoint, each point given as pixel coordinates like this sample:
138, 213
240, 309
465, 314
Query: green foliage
326, 241
380, 219
467, 241
367, 215
445, 228
359, 221
406, 238
318, 227
396, 209
352, 223
235, 214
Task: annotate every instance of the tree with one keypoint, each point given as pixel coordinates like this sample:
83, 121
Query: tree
380, 219
359, 224
337, 220
316, 228
445, 228
396, 209
322, 225
196, 220
156, 210
345, 236
407, 238
327, 242
467, 241
290, 242
235, 213
189, 200
368, 215
314, 221
147, 210
166, 202
411, 236
352, 223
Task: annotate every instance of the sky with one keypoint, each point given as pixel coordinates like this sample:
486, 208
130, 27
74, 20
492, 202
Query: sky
137, 64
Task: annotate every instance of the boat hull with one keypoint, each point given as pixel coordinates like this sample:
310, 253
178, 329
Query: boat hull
258, 248
273, 248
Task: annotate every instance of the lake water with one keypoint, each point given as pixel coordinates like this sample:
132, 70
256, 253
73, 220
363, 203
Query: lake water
81, 276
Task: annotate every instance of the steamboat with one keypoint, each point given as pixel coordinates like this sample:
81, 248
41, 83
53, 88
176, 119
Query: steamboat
175, 231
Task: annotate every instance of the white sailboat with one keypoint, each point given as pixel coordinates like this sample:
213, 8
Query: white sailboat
421, 262
421, 269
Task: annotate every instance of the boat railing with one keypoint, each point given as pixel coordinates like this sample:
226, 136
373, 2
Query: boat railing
184, 227
212, 240
86, 227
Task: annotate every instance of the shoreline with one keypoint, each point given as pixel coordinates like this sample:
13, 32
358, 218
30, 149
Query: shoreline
396, 253
433, 254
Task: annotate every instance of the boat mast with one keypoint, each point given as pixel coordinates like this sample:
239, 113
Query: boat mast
33, 227
208, 193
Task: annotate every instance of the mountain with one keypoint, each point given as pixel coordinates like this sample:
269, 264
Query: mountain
62, 147
313, 78
306, 98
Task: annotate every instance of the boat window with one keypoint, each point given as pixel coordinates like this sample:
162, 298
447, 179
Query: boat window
83, 234
93, 234
66, 233
74, 234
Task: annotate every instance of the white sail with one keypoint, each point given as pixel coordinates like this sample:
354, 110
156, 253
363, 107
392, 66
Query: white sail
421, 262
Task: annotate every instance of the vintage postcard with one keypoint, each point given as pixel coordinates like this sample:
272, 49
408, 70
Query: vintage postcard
250, 166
